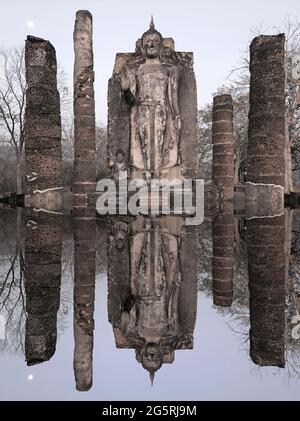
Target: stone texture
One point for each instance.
(42, 285)
(223, 252)
(84, 110)
(263, 200)
(223, 146)
(42, 117)
(266, 137)
(118, 252)
(121, 119)
(267, 273)
(140, 305)
(84, 299)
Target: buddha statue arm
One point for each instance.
(128, 85)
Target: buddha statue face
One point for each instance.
(152, 44)
(151, 357)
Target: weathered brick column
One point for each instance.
(84, 115)
(42, 285)
(42, 117)
(84, 297)
(267, 272)
(223, 146)
(223, 252)
(266, 137)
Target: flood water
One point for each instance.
(100, 309)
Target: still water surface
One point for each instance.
(96, 310)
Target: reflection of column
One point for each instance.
(42, 285)
(84, 297)
(223, 252)
(42, 117)
(266, 266)
(223, 153)
(266, 138)
(84, 113)
(83, 211)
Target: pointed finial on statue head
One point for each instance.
(152, 26)
(152, 30)
(152, 377)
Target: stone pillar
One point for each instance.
(42, 117)
(84, 115)
(223, 253)
(223, 146)
(84, 297)
(267, 272)
(42, 285)
(266, 136)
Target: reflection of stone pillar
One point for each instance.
(223, 252)
(266, 138)
(42, 117)
(84, 114)
(223, 140)
(266, 266)
(84, 183)
(84, 297)
(42, 285)
(187, 301)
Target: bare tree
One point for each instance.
(238, 87)
(12, 102)
(239, 79)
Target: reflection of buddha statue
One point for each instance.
(155, 280)
(152, 287)
(152, 91)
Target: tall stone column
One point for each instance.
(223, 146)
(42, 285)
(84, 115)
(42, 117)
(266, 136)
(84, 298)
(223, 253)
(267, 273)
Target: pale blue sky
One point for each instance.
(216, 31)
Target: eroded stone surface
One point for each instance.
(223, 146)
(153, 111)
(267, 276)
(42, 117)
(266, 137)
(84, 114)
